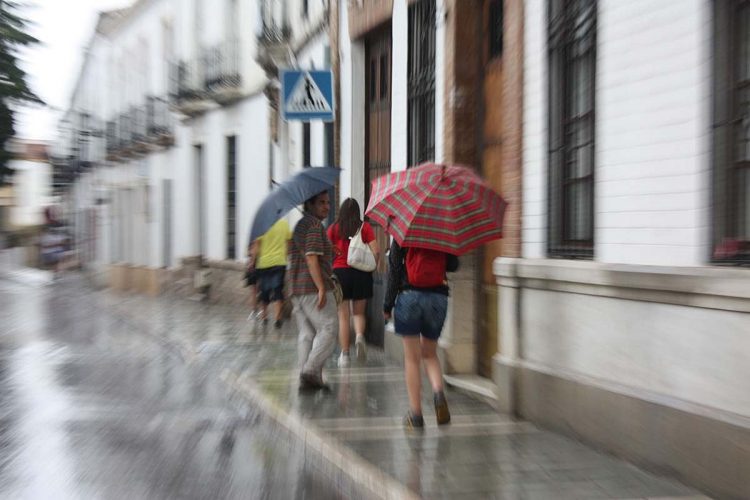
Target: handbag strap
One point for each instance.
(358, 231)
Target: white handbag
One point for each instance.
(360, 256)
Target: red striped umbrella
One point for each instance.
(447, 208)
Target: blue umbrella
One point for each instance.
(292, 193)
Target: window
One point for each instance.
(306, 144)
(572, 70)
(731, 228)
(305, 8)
(495, 28)
(167, 49)
(328, 132)
(231, 197)
(421, 82)
(199, 178)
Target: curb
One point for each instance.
(374, 481)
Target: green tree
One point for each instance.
(14, 88)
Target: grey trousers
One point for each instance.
(318, 331)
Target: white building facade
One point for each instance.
(170, 136)
(32, 184)
(626, 319)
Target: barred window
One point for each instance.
(306, 154)
(231, 197)
(495, 28)
(731, 147)
(421, 82)
(572, 71)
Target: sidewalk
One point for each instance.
(12, 268)
(357, 426)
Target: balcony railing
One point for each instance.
(112, 139)
(124, 132)
(188, 86)
(158, 118)
(87, 141)
(222, 63)
(274, 37)
(273, 15)
(140, 129)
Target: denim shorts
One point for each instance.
(271, 284)
(419, 312)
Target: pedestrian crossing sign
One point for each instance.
(307, 95)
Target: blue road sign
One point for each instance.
(307, 95)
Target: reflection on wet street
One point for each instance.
(91, 407)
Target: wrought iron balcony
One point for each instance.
(274, 37)
(187, 93)
(139, 132)
(87, 138)
(159, 121)
(223, 76)
(124, 132)
(112, 139)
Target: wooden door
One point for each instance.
(494, 87)
(377, 156)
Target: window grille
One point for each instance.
(572, 89)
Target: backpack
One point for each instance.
(425, 268)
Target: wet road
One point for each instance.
(90, 407)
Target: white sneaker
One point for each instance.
(344, 361)
(361, 347)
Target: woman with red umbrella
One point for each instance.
(434, 213)
(418, 289)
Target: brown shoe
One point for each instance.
(441, 409)
(412, 421)
(310, 381)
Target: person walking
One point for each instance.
(270, 263)
(417, 296)
(251, 280)
(311, 257)
(356, 285)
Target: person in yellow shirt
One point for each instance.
(270, 263)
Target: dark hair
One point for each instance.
(348, 219)
(311, 201)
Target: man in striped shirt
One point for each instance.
(315, 308)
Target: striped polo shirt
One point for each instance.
(309, 238)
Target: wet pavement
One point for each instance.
(357, 426)
(107, 396)
(95, 405)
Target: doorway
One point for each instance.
(377, 157)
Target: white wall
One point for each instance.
(184, 219)
(352, 102)
(253, 166)
(643, 348)
(248, 121)
(652, 132)
(399, 86)
(32, 188)
(303, 25)
(534, 212)
(440, 42)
